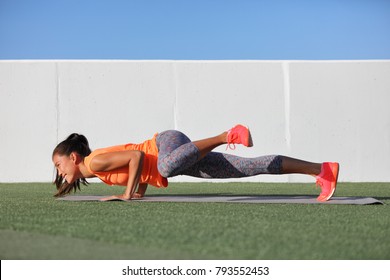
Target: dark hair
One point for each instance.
(74, 143)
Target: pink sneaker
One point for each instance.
(327, 180)
(239, 135)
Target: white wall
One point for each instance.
(314, 110)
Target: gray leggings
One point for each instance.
(177, 155)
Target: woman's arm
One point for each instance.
(114, 160)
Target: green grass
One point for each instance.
(33, 225)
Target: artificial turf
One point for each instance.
(34, 225)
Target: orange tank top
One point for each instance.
(120, 176)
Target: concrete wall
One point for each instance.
(314, 110)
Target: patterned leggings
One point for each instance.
(179, 156)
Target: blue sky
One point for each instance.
(195, 29)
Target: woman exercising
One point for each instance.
(171, 153)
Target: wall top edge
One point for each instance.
(182, 61)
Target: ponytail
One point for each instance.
(74, 143)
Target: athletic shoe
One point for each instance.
(239, 135)
(327, 180)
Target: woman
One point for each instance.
(172, 153)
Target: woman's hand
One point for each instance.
(114, 197)
(137, 196)
(122, 197)
(141, 190)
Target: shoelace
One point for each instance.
(230, 146)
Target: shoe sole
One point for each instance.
(250, 142)
(334, 189)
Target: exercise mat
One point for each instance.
(299, 199)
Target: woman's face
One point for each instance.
(66, 167)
